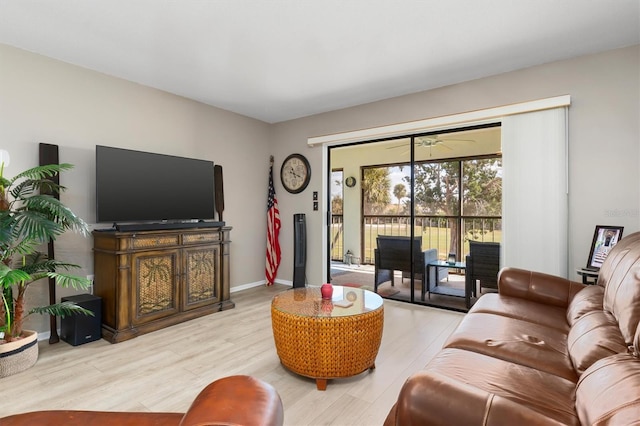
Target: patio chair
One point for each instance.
(483, 264)
(393, 254)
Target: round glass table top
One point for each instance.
(346, 301)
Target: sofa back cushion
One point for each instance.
(587, 300)
(592, 337)
(620, 276)
(607, 392)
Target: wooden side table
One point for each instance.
(589, 276)
(319, 339)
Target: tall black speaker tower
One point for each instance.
(49, 155)
(299, 249)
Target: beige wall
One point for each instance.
(43, 100)
(604, 135)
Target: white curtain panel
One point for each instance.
(535, 191)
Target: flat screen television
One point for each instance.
(136, 186)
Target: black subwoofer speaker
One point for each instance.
(299, 249)
(77, 329)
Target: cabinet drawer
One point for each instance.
(149, 241)
(200, 238)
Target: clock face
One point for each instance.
(295, 173)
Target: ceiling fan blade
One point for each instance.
(456, 140)
(427, 142)
(397, 146)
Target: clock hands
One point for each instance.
(294, 173)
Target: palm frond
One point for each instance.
(9, 277)
(30, 187)
(4, 182)
(22, 190)
(32, 228)
(67, 280)
(62, 310)
(54, 210)
(41, 218)
(47, 186)
(39, 262)
(33, 258)
(41, 172)
(5, 235)
(21, 247)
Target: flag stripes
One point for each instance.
(273, 232)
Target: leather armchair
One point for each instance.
(233, 400)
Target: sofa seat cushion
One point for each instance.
(495, 390)
(594, 336)
(608, 393)
(620, 275)
(587, 300)
(510, 339)
(522, 309)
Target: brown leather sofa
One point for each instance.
(543, 350)
(233, 400)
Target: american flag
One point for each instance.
(273, 230)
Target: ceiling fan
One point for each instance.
(431, 141)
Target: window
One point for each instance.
(449, 196)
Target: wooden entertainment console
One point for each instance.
(149, 280)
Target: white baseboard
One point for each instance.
(257, 284)
(44, 335)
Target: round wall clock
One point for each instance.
(350, 181)
(295, 173)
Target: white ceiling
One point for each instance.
(276, 60)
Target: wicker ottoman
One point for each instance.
(327, 339)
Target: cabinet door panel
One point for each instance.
(156, 292)
(201, 277)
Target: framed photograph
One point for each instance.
(604, 239)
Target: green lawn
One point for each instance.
(432, 237)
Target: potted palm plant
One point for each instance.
(29, 217)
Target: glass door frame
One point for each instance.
(412, 214)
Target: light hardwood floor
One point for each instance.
(164, 370)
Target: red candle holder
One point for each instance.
(326, 291)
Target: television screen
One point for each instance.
(143, 186)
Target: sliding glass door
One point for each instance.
(406, 208)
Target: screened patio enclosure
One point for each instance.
(440, 189)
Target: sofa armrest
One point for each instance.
(93, 418)
(236, 400)
(537, 287)
(428, 398)
(233, 400)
